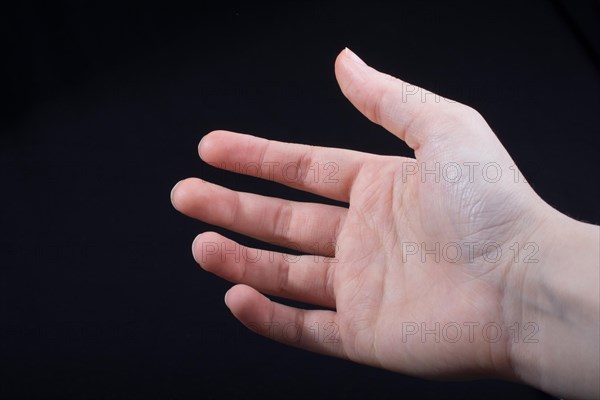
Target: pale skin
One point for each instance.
(374, 267)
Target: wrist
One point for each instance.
(556, 298)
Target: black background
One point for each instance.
(104, 105)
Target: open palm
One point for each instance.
(411, 275)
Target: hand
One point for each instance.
(421, 274)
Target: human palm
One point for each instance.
(411, 275)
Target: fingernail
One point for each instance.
(193, 247)
(200, 146)
(354, 57)
(226, 293)
(172, 192)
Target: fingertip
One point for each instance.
(247, 305)
(205, 248)
(205, 144)
(351, 56)
(180, 194)
(195, 244)
(172, 194)
(209, 145)
(350, 71)
(240, 294)
(348, 59)
(225, 299)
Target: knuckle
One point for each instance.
(283, 222)
(283, 277)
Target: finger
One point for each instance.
(411, 113)
(305, 278)
(327, 172)
(313, 330)
(306, 227)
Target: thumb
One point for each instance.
(409, 112)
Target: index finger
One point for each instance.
(328, 172)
